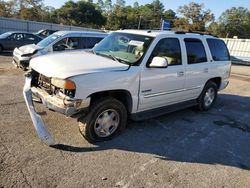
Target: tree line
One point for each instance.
(105, 14)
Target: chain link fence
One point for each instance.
(239, 50)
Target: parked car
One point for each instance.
(13, 39)
(45, 32)
(131, 73)
(60, 41)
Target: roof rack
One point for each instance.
(194, 32)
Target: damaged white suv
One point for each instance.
(131, 73)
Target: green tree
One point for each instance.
(233, 22)
(148, 16)
(151, 15)
(195, 17)
(7, 9)
(170, 15)
(136, 4)
(108, 5)
(120, 3)
(80, 13)
(100, 3)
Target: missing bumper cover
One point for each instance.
(40, 127)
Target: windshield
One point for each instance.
(128, 48)
(4, 35)
(48, 40)
(39, 31)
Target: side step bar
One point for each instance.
(162, 110)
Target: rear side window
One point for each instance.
(218, 50)
(89, 42)
(29, 37)
(195, 51)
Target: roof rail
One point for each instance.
(194, 32)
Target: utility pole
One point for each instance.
(139, 24)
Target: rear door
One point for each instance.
(198, 67)
(221, 64)
(163, 86)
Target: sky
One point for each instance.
(216, 6)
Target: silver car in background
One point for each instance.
(60, 41)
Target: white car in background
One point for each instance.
(57, 42)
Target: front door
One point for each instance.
(163, 86)
(14, 41)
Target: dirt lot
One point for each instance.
(182, 149)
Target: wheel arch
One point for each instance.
(122, 95)
(216, 80)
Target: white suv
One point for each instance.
(131, 73)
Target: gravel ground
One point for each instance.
(182, 149)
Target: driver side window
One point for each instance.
(69, 43)
(168, 48)
(60, 45)
(16, 36)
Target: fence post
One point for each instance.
(27, 26)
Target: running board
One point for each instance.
(162, 110)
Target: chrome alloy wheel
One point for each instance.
(107, 123)
(209, 97)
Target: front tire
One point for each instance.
(208, 96)
(106, 119)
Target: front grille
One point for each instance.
(44, 82)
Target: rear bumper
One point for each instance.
(224, 84)
(64, 105)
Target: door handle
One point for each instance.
(205, 70)
(181, 73)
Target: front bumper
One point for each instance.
(20, 61)
(65, 105)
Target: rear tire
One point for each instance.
(208, 96)
(106, 119)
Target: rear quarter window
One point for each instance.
(218, 50)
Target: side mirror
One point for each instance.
(158, 62)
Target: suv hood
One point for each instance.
(68, 64)
(30, 48)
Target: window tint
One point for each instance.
(17, 36)
(29, 37)
(218, 50)
(89, 42)
(168, 48)
(195, 51)
(67, 44)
